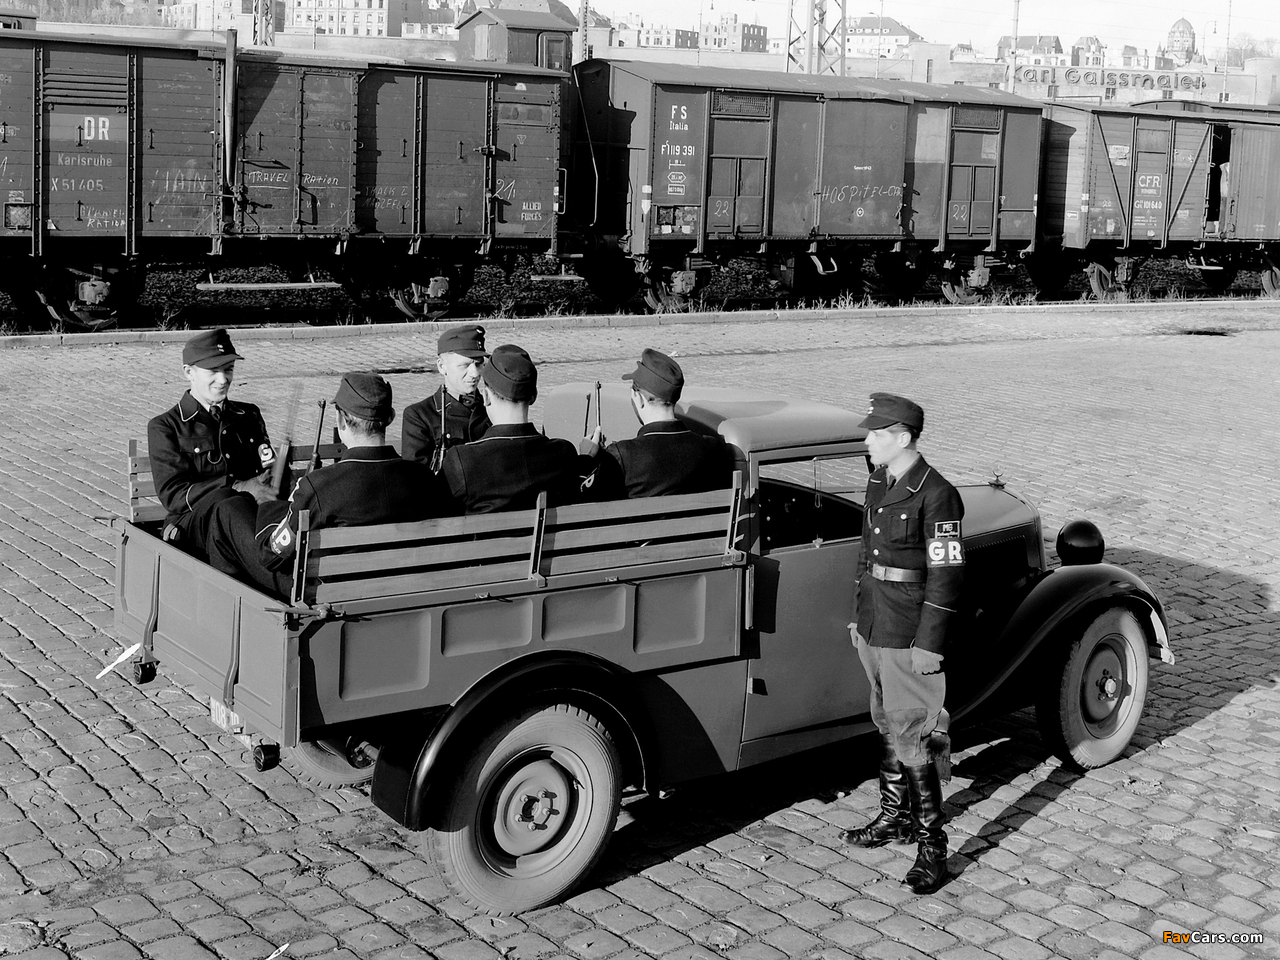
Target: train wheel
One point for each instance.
(433, 299)
(1219, 280)
(660, 297)
(1271, 280)
(956, 290)
(1102, 280)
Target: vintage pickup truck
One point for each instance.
(502, 679)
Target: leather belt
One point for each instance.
(896, 574)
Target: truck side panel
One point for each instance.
(413, 659)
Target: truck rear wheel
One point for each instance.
(325, 764)
(531, 810)
(1089, 710)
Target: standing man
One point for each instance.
(665, 457)
(512, 463)
(207, 449)
(370, 484)
(908, 592)
(453, 414)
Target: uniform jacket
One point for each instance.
(368, 485)
(916, 526)
(509, 466)
(195, 458)
(667, 457)
(420, 430)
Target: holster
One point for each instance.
(938, 746)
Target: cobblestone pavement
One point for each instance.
(130, 826)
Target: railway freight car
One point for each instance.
(115, 155)
(1122, 184)
(678, 168)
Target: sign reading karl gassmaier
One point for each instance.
(1101, 77)
(679, 132)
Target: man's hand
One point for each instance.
(924, 662)
(853, 633)
(260, 489)
(590, 446)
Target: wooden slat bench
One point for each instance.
(145, 507)
(343, 564)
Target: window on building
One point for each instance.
(1053, 91)
(1224, 97)
(1166, 94)
(1108, 93)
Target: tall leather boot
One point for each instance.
(930, 868)
(893, 822)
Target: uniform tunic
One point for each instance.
(509, 466)
(913, 526)
(196, 458)
(667, 458)
(368, 485)
(420, 430)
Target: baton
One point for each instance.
(597, 404)
(315, 445)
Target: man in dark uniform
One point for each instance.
(207, 449)
(453, 414)
(370, 484)
(512, 463)
(908, 593)
(665, 457)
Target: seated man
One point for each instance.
(207, 449)
(512, 463)
(370, 484)
(454, 413)
(665, 457)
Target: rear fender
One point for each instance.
(412, 768)
(1062, 595)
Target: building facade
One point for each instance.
(876, 37)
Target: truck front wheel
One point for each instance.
(530, 811)
(1089, 710)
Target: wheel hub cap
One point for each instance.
(1103, 684)
(530, 811)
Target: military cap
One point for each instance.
(465, 341)
(510, 373)
(365, 395)
(209, 349)
(658, 374)
(886, 409)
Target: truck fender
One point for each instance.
(1065, 593)
(402, 781)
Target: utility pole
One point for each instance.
(1013, 57)
(879, 37)
(580, 38)
(815, 44)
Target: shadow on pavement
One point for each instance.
(1219, 621)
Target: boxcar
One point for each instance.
(115, 155)
(679, 167)
(1122, 184)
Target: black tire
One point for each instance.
(1090, 708)
(956, 290)
(612, 278)
(531, 810)
(318, 766)
(1271, 280)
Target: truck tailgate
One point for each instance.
(228, 639)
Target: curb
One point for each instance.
(595, 321)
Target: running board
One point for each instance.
(305, 285)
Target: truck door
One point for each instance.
(1249, 183)
(975, 158)
(807, 672)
